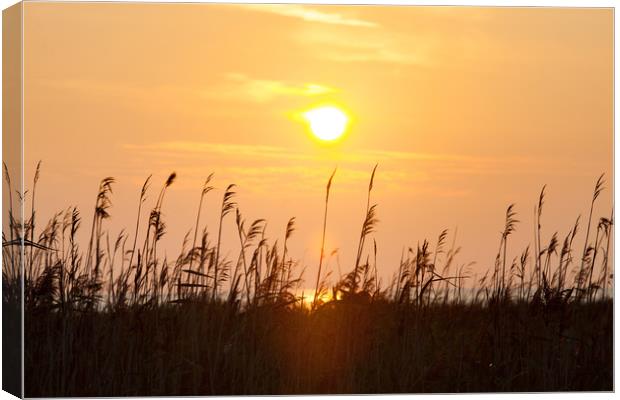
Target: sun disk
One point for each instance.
(327, 123)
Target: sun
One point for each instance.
(327, 123)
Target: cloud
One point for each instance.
(242, 87)
(375, 46)
(234, 151)
(296, 171)
(309, 14)
(399, 162)
(373, 55)
(183, 148)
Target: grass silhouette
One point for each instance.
(116, 319)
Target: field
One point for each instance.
(110, 317)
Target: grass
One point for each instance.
(116, 319)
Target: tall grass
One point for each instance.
(317, 287)
(117, 319)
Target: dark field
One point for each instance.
(344, 347)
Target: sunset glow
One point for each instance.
(455, 104)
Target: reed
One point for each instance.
(318, 275)
(598, 188)
(227, 206)
(126, 321)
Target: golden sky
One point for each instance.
(466, 110)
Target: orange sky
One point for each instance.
(466, 110)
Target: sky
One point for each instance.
(465, 110)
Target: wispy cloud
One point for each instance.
(375, 46)
(310, 14)
(262, 151)
(238, 86)
(260, 168)
(373, 55)
(183, 148)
